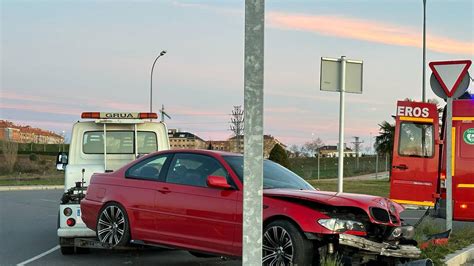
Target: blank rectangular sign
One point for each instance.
(331, 72)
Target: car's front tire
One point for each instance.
(113, 226)
(284, 244)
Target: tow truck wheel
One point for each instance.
(113, 226)
(67, 250)
(284, 244)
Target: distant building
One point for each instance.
(185, 140)
(332, 151)
(268, 143)
(218, 145)
(27, 134)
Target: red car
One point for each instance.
(192, 200)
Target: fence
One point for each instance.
(46, 149)
(309, 168)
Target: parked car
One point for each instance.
(192, 200)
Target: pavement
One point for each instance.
(28, 231)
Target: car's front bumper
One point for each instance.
(383, 249)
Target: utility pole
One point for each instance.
(237, 125)
(423, 98)
(163, 114)
(357, 143)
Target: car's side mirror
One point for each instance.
(218, 182)
(61, 161)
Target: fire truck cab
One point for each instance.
(103, 143)
(419, 157)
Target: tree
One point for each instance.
(279, 155)
(295, 150)
(10, 151)
(312, 147)
(384, 141)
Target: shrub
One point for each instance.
(279, 155)
(33, 157)
(10, 153)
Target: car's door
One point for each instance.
(191, 214)
(141, 184)
(414, 176)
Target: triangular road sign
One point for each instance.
(450, 73)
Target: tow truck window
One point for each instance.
(119, 142)
(416, 140)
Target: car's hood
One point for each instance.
(334, 199)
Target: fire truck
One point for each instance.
(419, 157)
(101, 143)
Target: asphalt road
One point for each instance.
(28, 234)
(28, 221)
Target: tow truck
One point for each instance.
(419, 157)
(102, 142)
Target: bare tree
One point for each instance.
(312, 147)
(10, 152)
(237, 125)
(295, 150)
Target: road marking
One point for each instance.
(38, 256)
(48, 200)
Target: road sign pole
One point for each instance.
(253, 137)
(340, 172)
(449, 170)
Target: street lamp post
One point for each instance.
(151, 79)
(423, 98)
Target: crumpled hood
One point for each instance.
(335, 199)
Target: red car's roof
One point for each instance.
(199, 151)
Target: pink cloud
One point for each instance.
(366, 30)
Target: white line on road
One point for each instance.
(48, 200)
(38, 256)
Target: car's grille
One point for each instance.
(380, 215)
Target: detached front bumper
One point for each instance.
(383, 249)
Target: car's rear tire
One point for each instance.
(113, 226)
(283, 243)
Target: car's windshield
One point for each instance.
(274, 175)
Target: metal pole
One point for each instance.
(319, 156)
(424, 51)
(386, 162)
(340, 172)
(449, 170)
(376, 166)
(151, 80)
(253, 129)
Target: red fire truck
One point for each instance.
(419, 157)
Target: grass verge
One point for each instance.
(32, 179)
(371, 187)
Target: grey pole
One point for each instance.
(376, 165)
(319, 157)
(340, 172)
(253, 129)
(449, 175)
(151, 80)
(424, 51)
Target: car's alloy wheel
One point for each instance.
(277, 247)
(112, 225)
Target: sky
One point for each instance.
(61, 58)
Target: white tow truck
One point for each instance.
(103, 143)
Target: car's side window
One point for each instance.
(193, 169)
(148, 169)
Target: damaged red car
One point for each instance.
(192, 200)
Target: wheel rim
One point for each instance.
(277, 247)
(111, 225)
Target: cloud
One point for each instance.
(366, 30)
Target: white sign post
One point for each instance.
(449, 76)
(341, 75)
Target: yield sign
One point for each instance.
(450, 73)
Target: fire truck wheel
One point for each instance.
(113, 226)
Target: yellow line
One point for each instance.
(453, 150)
(412, 202)
(416, 119)
(463, 118)
(466, 185)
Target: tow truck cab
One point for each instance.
(101, 144)
(419, 157)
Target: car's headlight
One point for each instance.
(341, 226)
